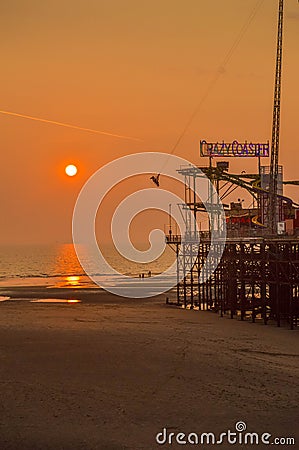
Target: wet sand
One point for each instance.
(110, 373)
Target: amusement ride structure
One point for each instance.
(258, 275)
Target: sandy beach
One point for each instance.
(111, 373)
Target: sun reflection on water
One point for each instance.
(73, 280)
(55, 300)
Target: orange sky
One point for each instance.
(132, 68)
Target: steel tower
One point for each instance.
(273, 202)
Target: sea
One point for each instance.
(58, 266)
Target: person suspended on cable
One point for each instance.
(156, 179)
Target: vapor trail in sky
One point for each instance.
(67, 125)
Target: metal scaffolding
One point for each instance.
(257, 278)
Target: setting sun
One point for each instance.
(71, 170)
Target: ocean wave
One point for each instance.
(73, 274)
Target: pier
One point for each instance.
(257, 278)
